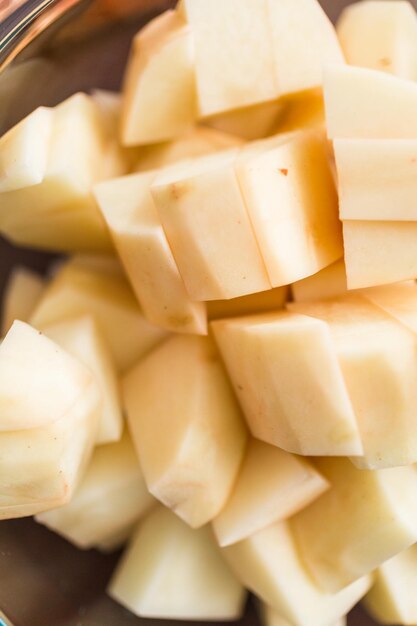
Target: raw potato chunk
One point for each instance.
(82, 339)
(271, 486)
(250, 123)
(328, 283)
(292, 203)
(399, 301)
(110, 498)
(76, 291)
(49, 407)
(381, 35)
(22, 293)
(367, 104)
(271, 300)
(392, 598)
(59, 212)
(277, 363)
(377, 178)
(186, 426)
(379, 253)
(193, 200)
(195, 143)
(269, 564)
(302, 111)
(129, 210)
(365, 518)
(171, 571)
(269, 617)
(159, 97)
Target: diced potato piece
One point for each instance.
(111, 497)
(186, 426)
(392, 598)
(381, 35)
(129, 210)
(196, 142)
(301, 111)
(271, 300)
(24, 151)
(399, 301)
(49, 406)
(292, 203)
(367, 104)
(193, 199)
(116, 541)
(159, 97)
(377, 178)
(81, 338)
(379, 253)
(21, 296)
(269, 564)
(277, 363)
(365, 518)
(171, 571)
(59, 212)
(252, 122)
(328, 283)
(76, 291)
(269, 617)
(271, 486)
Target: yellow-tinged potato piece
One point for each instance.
(301, 111)
(269, 564)
(129, 210)
(378, 358)
(392, 597)
(23, 291)
(277, 363)
(328, 283)
(76, 291)
(193, 199)
(49, 405)
(379, 253)
(250, 123)
(292, 203)
(365, 518)
(269, 617)
(111, 497)
(368, 104)
(196, 142)
(271, 486)
(82, 338)
(381, 35)
(171, 571)
(271, 300)
(186, 426)
(159, 97)
(399, 301)
(377, 178)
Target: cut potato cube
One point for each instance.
(367, 104)
(379, 253)
(269, 564)
(186, 426)
(159, 97)
(377, 179)
(111, 497)
(129, 210)
(23, 291)
(193, 198)
(380, 35)
(269, 617)
(365, 518)
(250, 123)
(277, 363)
(271, 300)
(328, 283)
(76, 291)
(392, 598)
(49, 409)
(302, 111)
(292, 203)
(81, 338)
(171, 571)
(271, 486)
(399, 301)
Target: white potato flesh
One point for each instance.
(110, 499)
(186, 426)
(271, 300)
(128, 207)
(268, 564)
(277, 363)
(249, 123)
(22, 293)
(365, 518)
(271, 486)
(328, 283)
(399, 301)
(269, 617)
(171, 571)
